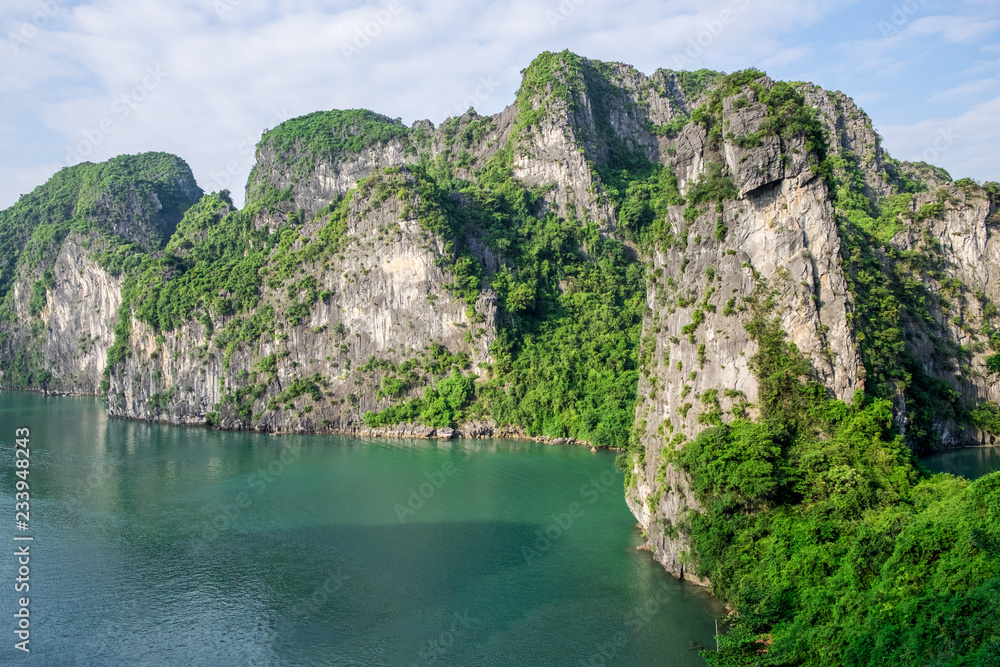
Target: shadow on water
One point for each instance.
(161, 545)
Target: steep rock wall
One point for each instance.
(784, 240)
(386, 300)
(963, 283)
(780, 240)
(76, 327)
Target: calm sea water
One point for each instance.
(972, 463)
(159, 545)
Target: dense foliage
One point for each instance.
(566, 365)
(891, 295)
(215, 266)
(140, 197)
(787, 115)
(333, 133)
(212, 266)
(91, 198)
(831, 545)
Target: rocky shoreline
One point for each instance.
(475, 430)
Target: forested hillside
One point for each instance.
(724, 277)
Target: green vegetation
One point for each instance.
(447, 397)
(39, 291)
(642, 205)
(993, 363)
(890, 293)
(93, 199)
(550, 76)
(566, 365)
(788, 115)
(132, 201)
(695, 84)
(444, 403)
(214, 274)
(713, 186)
(833, 548)
(330, 134)
(986, 417)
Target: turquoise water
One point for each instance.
(160, 545)
(971, 463)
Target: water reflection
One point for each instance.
(971, 463)
(181, 545)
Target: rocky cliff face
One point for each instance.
(953, 340)
(76, 326)
(58, 305)
(384, 299)
(883, 274)
(777, 238)
(784, 240)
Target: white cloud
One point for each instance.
(966, 145)
(966, 90)
(869, 96)
(981, 67)
(955, 29)
(229, 77)
(786, 57)
(22, 180)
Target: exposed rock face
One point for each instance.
(386, 294)
(388, 302)
(77, 322)
(60, 309)
(317, 179)
(967, 254)
(136, 213)
(781, 236)
(328, 179)
(764, 160)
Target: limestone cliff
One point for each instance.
(581, 265)
(778, 233)
(783, 235)
(76, 326)
(383, 297)
(58, 299)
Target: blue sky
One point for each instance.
(203, 78)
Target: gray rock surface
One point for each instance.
(388, 297)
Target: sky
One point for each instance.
(89, 80)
